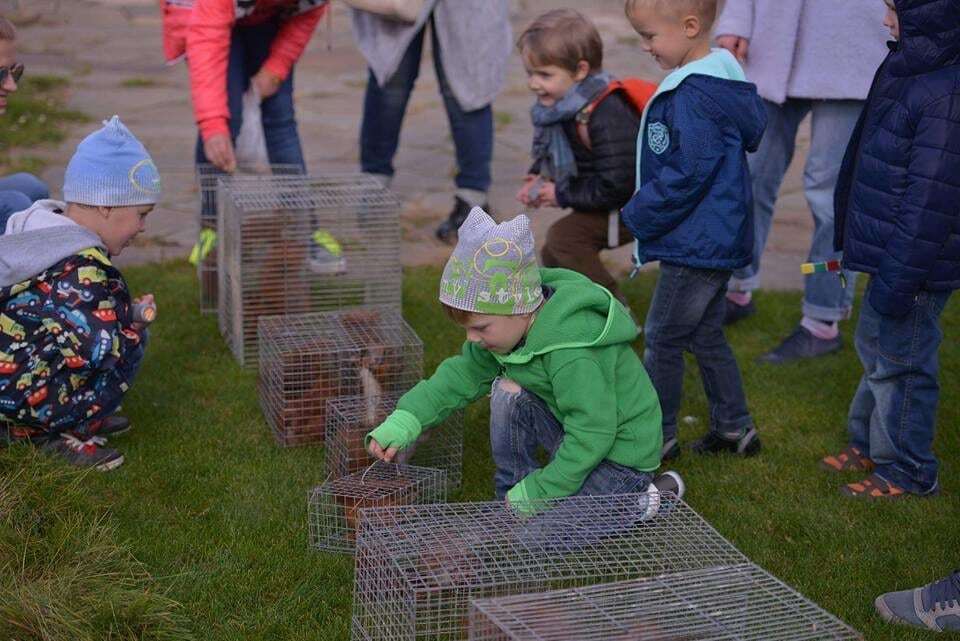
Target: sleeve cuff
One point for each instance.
(214, 127)
(400, 430)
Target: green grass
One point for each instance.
(35, 116)
(217, 513)
(139, 82)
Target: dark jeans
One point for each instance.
(249, 49)
(520, 423)
(18, 192)
(893, 413)
(575, 242)
(686, 314)
(384, 107)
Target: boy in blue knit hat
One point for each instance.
(69, 343)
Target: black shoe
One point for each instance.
(736, 312)
(85, 453)
(670, 451)
(447, 231)
(713, 443)
(801, 344)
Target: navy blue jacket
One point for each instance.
(694, 204)
(897, 201)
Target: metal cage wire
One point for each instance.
(418, 567)
(349, 419)
(307, 360)
(298, 244)
(335, 506)
(207, 176)
(736, 603)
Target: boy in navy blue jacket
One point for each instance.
(692, 211)
(898, 219)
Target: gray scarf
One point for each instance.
(550, 144)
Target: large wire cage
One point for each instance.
(737, 603)
(307, 360)
(292, 245)
(334, 507)
(205, 254)
(349, 419)
(418, 567)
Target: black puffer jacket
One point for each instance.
(897, 199)
(606, 173)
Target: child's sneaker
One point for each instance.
(84, 452)
(112, 425)
(935, 606)
(746, 445)
(849, 460)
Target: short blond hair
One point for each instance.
(7, 30)
(562, 37)
(706, 10)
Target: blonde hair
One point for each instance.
(706, 10)
(562, 37)
(7, 30)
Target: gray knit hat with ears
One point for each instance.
(493, 268)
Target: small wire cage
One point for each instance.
(207, 177)
(292, 245)
(334, 507)
(418, 567)
(737, 603)
(350, 419)
(308, 359)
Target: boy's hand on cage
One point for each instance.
(219, 151)
(376, 450)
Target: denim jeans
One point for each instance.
(893, 412)
(384, 107)
(18, 192)
(832, 125)
(686, 314)
(520, 423)
(249, 49)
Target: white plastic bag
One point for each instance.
(251, 147)
(398, 10)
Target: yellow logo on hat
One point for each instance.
(145, 172)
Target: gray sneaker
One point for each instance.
(935, 606)
(801, 344)
(81, 452)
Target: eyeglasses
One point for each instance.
(15, 71)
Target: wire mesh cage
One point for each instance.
(736, 603)
(335, 506)
(207, 178)
(308, 359)
(350, 419)
(418, 567)
(291, 245)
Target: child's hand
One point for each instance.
(548, 195)
(524, 194)
(219, 151)
(377, 451)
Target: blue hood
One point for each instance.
(929, 36)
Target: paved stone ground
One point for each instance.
(111, 50)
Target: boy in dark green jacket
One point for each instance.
(553, 350)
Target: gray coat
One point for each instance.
(475, 43)
(822, 49)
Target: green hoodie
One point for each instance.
(577, 358)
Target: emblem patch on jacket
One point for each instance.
(658, 137)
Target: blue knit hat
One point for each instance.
(111, 168)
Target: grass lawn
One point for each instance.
(216, 513)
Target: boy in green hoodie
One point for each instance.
(553, 350)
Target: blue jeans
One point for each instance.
(832, 125)
(249, 49)
(384, 107)
(18, 192)
(520, 424)
(686, 314)
(893, 412)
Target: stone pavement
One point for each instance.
(111, 51)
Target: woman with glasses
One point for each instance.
(17, 191)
